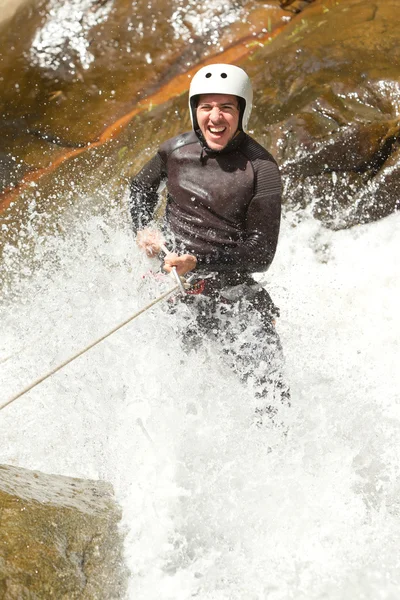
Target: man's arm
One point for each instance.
(143, 202)
(144, 192)
(256, 250)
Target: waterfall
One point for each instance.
(214, 507)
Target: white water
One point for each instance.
(209, 510)
(67, 26)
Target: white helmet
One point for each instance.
(222, 79)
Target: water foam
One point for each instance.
(213, 507)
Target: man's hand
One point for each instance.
(150, 240)
(183, 263)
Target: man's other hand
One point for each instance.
(183, 263)
(150, 240)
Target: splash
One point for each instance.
(65, 33)
(214, 507)
(190, 22)
(390, 89)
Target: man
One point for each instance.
(222, 222)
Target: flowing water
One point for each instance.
(214, 507)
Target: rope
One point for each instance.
(103, 337)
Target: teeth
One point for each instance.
(217, 129)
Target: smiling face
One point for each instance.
(218, 118)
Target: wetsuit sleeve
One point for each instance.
(144, 191)
(256, 250)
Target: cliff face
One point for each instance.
(88, 107)
(81, 65)
(8, 8)
(59, 538)
(328, 104)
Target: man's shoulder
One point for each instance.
(253, 150)
(265, 167)
(183, 139)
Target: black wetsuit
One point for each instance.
(224, 207)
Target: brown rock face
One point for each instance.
(58, 538)
(328, 104)
(81, 65)
(74, 77)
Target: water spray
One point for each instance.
(179, 286)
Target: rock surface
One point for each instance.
(81, 65)
(59, 538)
(60, 135)
(328, 104)
(8, 8)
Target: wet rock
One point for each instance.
(8, 8)
(381, 195)
(81, 65)
(59, 538)
(295, 5)
(328, 104)
(11, 171)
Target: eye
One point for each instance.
(208, 75)
(224, 75)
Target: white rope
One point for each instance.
(103, 337)
(174, 271)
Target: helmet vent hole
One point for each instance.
(224, 75)
(208, 75)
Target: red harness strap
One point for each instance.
(197, 288)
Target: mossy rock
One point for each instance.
(59, 538)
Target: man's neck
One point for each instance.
(230, 146)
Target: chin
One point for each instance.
(216, 145)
